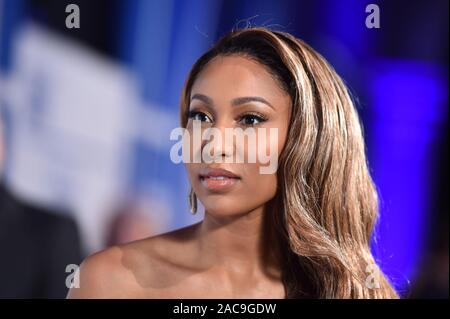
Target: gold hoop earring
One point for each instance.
(192, 201)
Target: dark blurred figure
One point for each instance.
(36, 245)
(433, 279)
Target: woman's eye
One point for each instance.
(199, 116)
(251, 119)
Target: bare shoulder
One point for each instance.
(98, 275)
(144, 268)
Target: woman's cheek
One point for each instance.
(260, 188)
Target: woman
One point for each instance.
(300, 232)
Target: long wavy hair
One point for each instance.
(326, 206)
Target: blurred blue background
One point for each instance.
(87, 112)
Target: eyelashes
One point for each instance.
(245, 119)
(248, 119)
(199, 116)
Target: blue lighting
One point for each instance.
(409, 106)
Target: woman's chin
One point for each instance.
(220, 211)
(226, 210)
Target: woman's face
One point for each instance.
(233, 92)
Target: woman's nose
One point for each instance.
(221, 141)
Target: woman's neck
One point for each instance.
(240, 246)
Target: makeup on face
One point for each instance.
(217, 179)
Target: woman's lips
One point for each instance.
(217, 178)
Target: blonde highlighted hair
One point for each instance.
(326, 204)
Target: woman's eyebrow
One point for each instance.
(247, 99)
(235, 102)
(203, 98)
